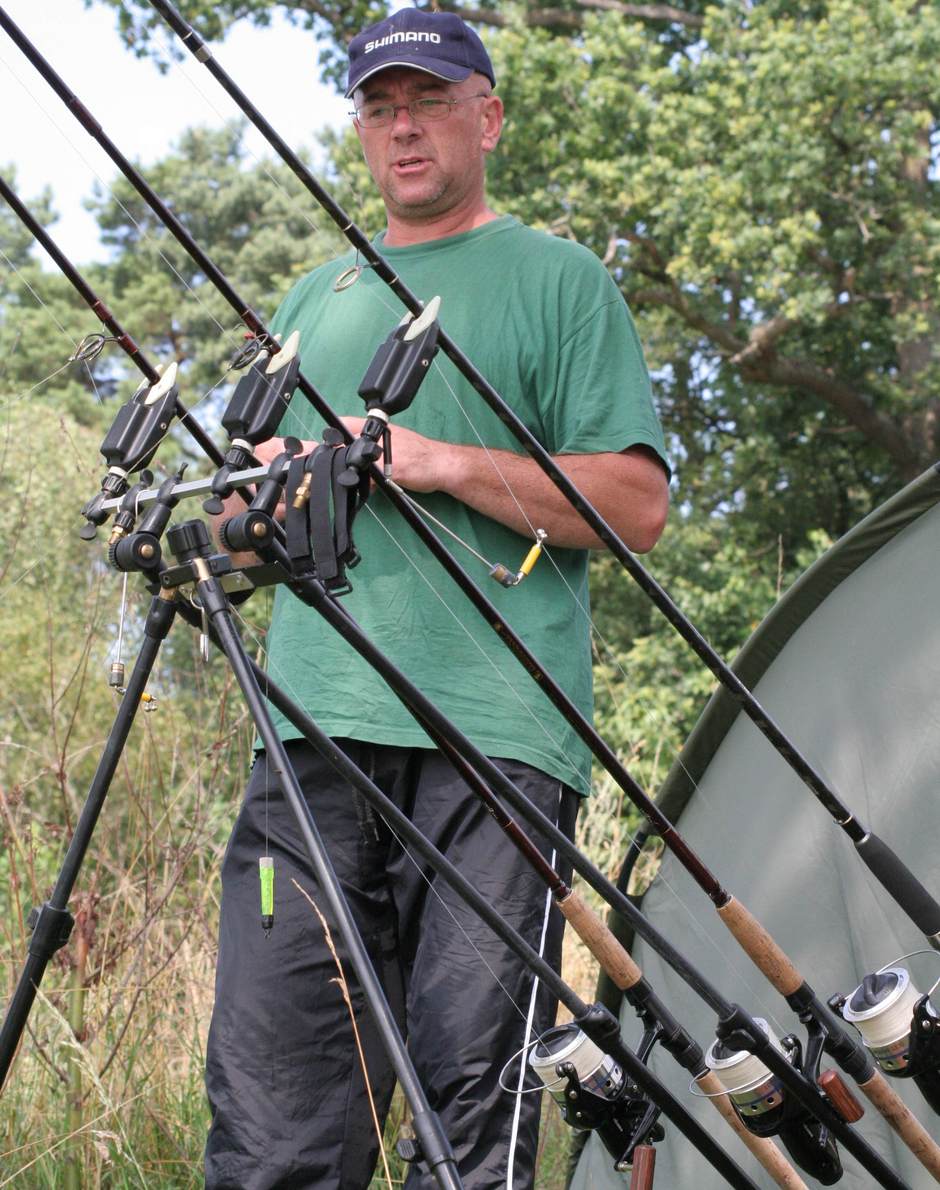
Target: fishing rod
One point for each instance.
(391, 382)
(139, 550)
(735, 1025)
(884, 864)
(145, 421)
(597, 1023)
(95, 130)
(316, 594)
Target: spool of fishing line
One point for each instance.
(754, 1089)
(882, 1009)
(597, 1072)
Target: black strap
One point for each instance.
(319, 534)
(296, 522)
(321, 514)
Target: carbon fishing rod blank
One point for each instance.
(899, 1026)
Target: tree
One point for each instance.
(759, 178)
(251, 220)
(131, 980)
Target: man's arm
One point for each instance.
(630, 489)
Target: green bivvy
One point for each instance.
(848, 664)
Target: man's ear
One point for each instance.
(492, 122)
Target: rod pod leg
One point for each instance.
(52, 922)
(434, 1145)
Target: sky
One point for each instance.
(143, 111)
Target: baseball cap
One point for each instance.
(436, 42)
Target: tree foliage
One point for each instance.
(761, 180)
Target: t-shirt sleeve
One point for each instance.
(600, 398)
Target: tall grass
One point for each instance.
(116, 1094)
(107, 1087)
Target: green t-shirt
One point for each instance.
(545, 324)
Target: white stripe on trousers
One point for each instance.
(514, 1134)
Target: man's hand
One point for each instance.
(629, 489)
(418, 463)
(268, 451)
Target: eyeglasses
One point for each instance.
(425, 111)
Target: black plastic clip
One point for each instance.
(50, 928)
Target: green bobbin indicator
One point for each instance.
(266, 875)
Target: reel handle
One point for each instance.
(644, 1164)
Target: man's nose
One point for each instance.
(402, 119)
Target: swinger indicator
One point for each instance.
(506, 578)
(266, 877)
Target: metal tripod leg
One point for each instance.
(52, 923)
(435, 1147)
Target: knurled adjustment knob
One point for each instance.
(189, 540)
(249, 530)
(140, 551)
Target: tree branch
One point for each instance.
(571, 19)
(853, 405)
(758, 361)
(648, 12)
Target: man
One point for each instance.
(543, 321)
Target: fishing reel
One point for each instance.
(899, 1026)
(594, 1093)
(255, 411)
(766, 1108)
(130, 444)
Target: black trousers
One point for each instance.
(285, 1084)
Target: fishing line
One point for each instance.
(253, 635)
(732, 961)
(379, 294)
(145, 235)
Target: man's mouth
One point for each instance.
(409, 164)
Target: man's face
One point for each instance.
(427, 170)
